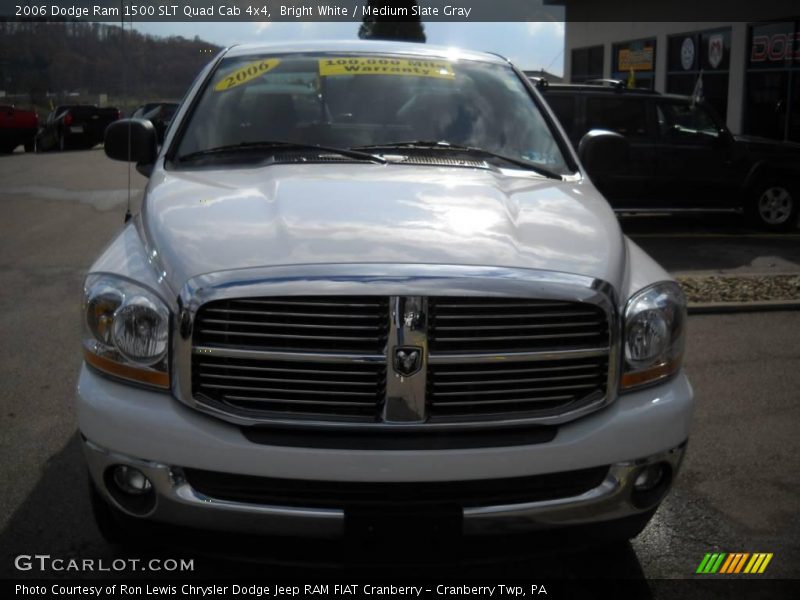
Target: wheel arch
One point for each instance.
(764, 171)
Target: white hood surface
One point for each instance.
(209, 220)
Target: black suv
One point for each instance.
(682, 157)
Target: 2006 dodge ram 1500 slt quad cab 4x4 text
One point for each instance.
(372, 276)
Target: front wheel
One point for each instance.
(774, 206)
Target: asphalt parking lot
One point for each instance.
(738, 490)
(714, 243)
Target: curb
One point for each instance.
(722, 273)
(711, 308)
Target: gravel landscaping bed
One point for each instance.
(745, 288)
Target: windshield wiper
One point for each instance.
(444, 145)
(267, 146)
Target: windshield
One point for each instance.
(351, 101)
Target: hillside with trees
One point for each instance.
(42, 61)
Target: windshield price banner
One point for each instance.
(385, 66)
(246, 73)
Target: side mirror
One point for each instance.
(132, 140)
(604, 152)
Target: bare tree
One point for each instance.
(409, 29)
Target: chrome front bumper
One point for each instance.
(178, 503)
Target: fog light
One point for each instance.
(131, 489)
(131, 480)
(651, 485)
(649, 478)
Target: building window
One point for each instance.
(708, 52)
(587, 63)
(635, 62)
(772, 91)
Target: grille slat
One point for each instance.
(282, 380)
(292, 301)
(480, 403)
(498, 303)
(514, 381)
(530, 315)
(507, 338)
(529, 390)
(267, 313)
(287, 336)
(524, 371)
(293, 325)
(292, 401)
(516, 326)
(306, 391)
(284, 371)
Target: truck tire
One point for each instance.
(30, 145)
(774, 204)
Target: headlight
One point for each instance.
(126, 331)
(655, 319)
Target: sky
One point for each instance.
(530, 45)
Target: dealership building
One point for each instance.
(750, 70)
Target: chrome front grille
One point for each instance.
(307, 386)
(462, 328)
(294, 389)
(524, 389)
(513, 324)
(329, 324)
(334, 359)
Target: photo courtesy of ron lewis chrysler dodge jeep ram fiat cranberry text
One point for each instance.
(375, 277)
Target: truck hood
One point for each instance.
(758, 143)
(204, 221)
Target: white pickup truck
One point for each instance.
(375, 279)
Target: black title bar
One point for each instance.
(110, 11)
(463, 589)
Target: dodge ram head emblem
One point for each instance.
(407, 360)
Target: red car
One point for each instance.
(17, 127)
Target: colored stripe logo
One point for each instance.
(734, 563)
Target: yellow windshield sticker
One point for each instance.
(351, 65)
(246, 73)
